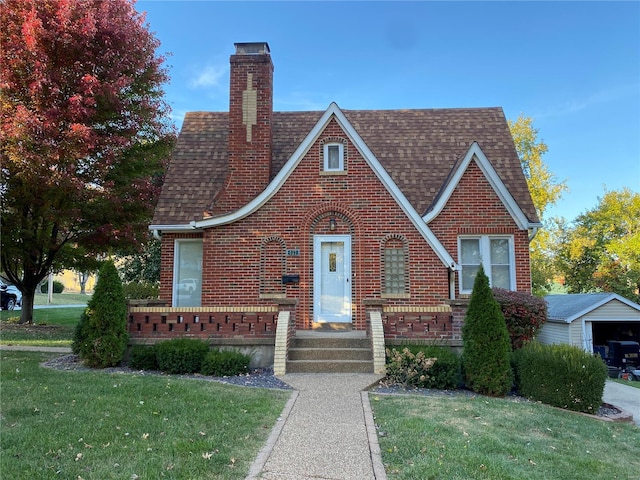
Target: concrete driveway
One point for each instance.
(624, 397)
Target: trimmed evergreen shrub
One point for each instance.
(225, 363)
(100, 338)
(140, 290)
(181, 355)
(560, 375)
(523, 313)
(143, 357)
(444, 374)
(58, 287)
(486, 363)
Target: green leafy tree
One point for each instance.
(545, 191)
(143, 265)
(486, 364)
(601, 251)
(84, 133)
(100, 338)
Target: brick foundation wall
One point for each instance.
(163, 323)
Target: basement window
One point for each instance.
(333, 157)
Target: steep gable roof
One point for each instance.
(419, 149)
(476, 153)
(334, 112)
(567, 308)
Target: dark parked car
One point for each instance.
(10, 297)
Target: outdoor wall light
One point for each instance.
(332, 223)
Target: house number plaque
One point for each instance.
(293, 252)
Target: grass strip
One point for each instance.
(53, 327)
(463, 437)
(633, 383)
(99, 425)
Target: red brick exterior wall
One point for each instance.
(249, 161)
(239, 268)
(475, 209)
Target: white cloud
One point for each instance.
(577, 105)
(209, 76)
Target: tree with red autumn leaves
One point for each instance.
(84, 133)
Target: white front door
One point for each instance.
(332, 278)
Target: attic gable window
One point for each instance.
(333, 157)
(495, 253)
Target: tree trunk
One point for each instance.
(83, 277)
(26, 314)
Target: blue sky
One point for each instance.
(572, 66)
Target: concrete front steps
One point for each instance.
(330, 352)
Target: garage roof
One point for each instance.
(567, 308)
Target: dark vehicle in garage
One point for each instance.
(623, 359)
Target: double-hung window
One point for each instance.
(494, 253)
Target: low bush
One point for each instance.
(181, 355)
(444, 374)
(523, 313)
(142, 357)
(225, 363)
(58, 287)
(408, 369)
(140, 290)
(560, 375)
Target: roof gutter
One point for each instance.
(533, 230)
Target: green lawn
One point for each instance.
(98, 425)
(463, 437)
(53, 327)
(61, 299)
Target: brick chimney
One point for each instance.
(250, 115)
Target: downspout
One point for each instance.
(533, 233)
(157, 234)
(452, 281)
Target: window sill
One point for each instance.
(267, 296)
(395, 295)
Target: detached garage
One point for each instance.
(590, 320)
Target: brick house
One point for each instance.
(277, 224)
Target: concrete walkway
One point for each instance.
(27, 348)
(326, 432)
(624, 397)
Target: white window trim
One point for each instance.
(176, 259)
(340, 157)
(485, 257)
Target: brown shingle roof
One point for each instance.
(418, 148)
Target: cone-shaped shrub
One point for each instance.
(100, 339)
(486, 361)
